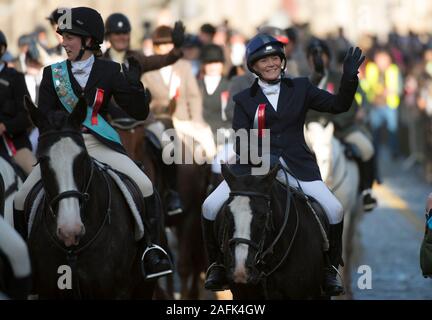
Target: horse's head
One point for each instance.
(319, 139)
(248, 218)
(61, 154)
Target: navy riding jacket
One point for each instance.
(104, 75)
(286, 124)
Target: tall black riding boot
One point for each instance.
(367, 179)
(155, 261)
(216, 279)
(332, 282)
(20, 223)
(172, 197)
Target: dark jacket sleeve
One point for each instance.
(21, 121)
(241, 120)
(131, 98)
(47, 96)
(323, 101)
(158, 61)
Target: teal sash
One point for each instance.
(68, 98)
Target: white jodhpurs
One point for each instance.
(15, 249)
(362, 142)
(316, 189)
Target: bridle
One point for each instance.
(260, 262)
(82, 196)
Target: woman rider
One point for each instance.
(84, 74)
(280, 104)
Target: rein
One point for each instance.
(261, 256)
(72, 254)
(83, 197)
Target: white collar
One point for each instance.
(269, 88)
(83, 65)
(211, 83)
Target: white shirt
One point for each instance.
(323, 81)
(81, 70)
(117, 56)
(211, 83)
(271, 91)
(166, 74)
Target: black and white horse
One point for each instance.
(85, 223)
(341, 174)
(271, 242)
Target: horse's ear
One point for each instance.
(329, 129)
(38, 118)
(270, 177)
(79, 114)
(227, 174)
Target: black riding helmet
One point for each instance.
(117, 23)
(212, 53)
(85, 22)
(277, 33)
(263, 45)
(3, 43)
(55, 15)
(316, 45)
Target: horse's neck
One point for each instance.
(338, 159)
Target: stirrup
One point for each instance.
(340, 278)
(157, 274)
(175, 211)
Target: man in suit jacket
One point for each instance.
(117, 32)
(280, 104)
(175, 88)
(14, 120)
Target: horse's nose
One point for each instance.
(240, 274)
(71, 236)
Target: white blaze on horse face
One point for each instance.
(62, 155)
(242, 212)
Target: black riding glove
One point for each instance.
(133, 72)
(178, 34)
(352, 63)
(148, 97)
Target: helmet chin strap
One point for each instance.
(82, 50)
(275, 81)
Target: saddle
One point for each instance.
(126, 123)
(245, 169)
(316, 206)
(35, 201)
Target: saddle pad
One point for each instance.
(129, 190)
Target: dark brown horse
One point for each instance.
(87, 231)
(272, 243)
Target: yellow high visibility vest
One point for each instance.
(372, 87)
